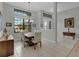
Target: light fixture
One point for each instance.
(29, 20)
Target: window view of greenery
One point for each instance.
(19, 22)
(19, 25)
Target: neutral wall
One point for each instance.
(0, 6)
(47, 34)
(60, 22)
(8, 16)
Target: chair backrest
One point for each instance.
(37, 36)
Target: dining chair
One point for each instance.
(23, 39)
(37, 39)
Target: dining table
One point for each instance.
(29, 37)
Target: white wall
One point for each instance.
(0, 6)
(60, 22)
(47, 34)
(8, 16)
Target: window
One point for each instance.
(19, 22)
(19, 25)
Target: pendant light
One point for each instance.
(29, 20)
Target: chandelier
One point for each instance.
(29, 20)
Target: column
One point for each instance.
(55, 17)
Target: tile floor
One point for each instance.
(48, 49)
(75, 50)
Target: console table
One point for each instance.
(69, 34)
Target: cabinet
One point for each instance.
(6, 48)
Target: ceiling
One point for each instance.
(48, 6)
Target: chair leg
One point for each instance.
(34, 47)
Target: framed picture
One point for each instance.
(69, 22)
(8, 24)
